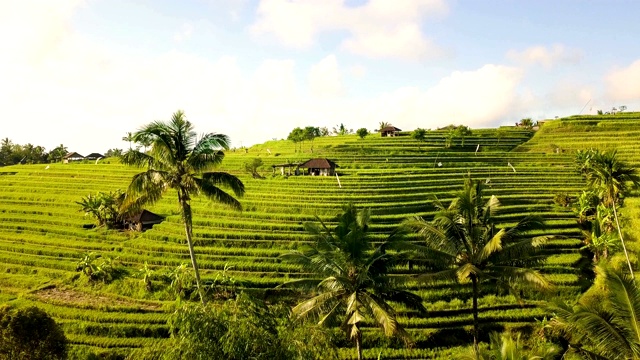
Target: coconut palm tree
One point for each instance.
(179, 160)
(350, 278)
(464, 245)
(505, 347)
(129, 138)
(604, 324)
(610, 177)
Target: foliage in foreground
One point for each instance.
(605, 323)
(351, 278)
(30, 333)
(242, 329)
(506, 347)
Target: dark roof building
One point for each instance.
(320, 166)
(389, 131)
(72, 156)
(143, 220)
(94, 156)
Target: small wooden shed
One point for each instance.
(389, 131)
(94, 156)
(72, 156)
(143, 220)
(287, 166)
(320, 166)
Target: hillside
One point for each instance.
(42, 236)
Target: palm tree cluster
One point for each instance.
(609, 180)
(461, 244)
(605, 322)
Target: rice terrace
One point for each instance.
(374, 215)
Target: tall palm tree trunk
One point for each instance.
(474, 280)
(359, 345)
(626, 254)
(188, 226)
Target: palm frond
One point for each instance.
(207, 152)
(450, 275)
(146, 188)
(382, 313)
(625, 303)
(225, 179)
(316, 303)
(137, 158)
(214, 193)
(492, 246)
(517, 275)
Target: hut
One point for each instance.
(320, 166)
(143, 220)
(287, 166)
(94, 156)
(72, 156)
(389, 131)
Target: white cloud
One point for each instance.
(378, 29)
(546, 56)
(474, 98)
(184, 33)
(623, 84)
(325, 79)
(358, 71)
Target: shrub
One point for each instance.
(562, 199)
(30, 333)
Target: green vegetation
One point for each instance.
(180, 161)
(30, 333)
(43, 236)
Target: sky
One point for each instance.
(83, 73)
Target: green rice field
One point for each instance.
(43, 234)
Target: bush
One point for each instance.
(30, 333)
(562, 199)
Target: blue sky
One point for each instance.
(84, 73)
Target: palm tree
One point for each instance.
(605, 325)
(610, 177)
(383, 124)
(351, 277)
(505, 347)
(129, 138)
(463, 244)
(179, 160)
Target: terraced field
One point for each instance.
(42, 235)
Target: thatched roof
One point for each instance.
(93, 156)
(319, 163)
(145, 217)
(73, 155)
(390, 129)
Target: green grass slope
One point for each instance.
(42, 235)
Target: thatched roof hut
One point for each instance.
(143, 220)
(389, 131)
(320, 166)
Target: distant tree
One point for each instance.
(362, 132)
(419, 134)
(30, 334)
(6, 150)
(350, 278)
(310, 133)
(341, 130)
(324, 131)
(296, 135)
(383, 124)
(526, 123)
(449, 136)
(113, 153)
(623, 108)
(180, 161)
(462, 132)
(128, 138)
(58, 153)
(252, 166)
